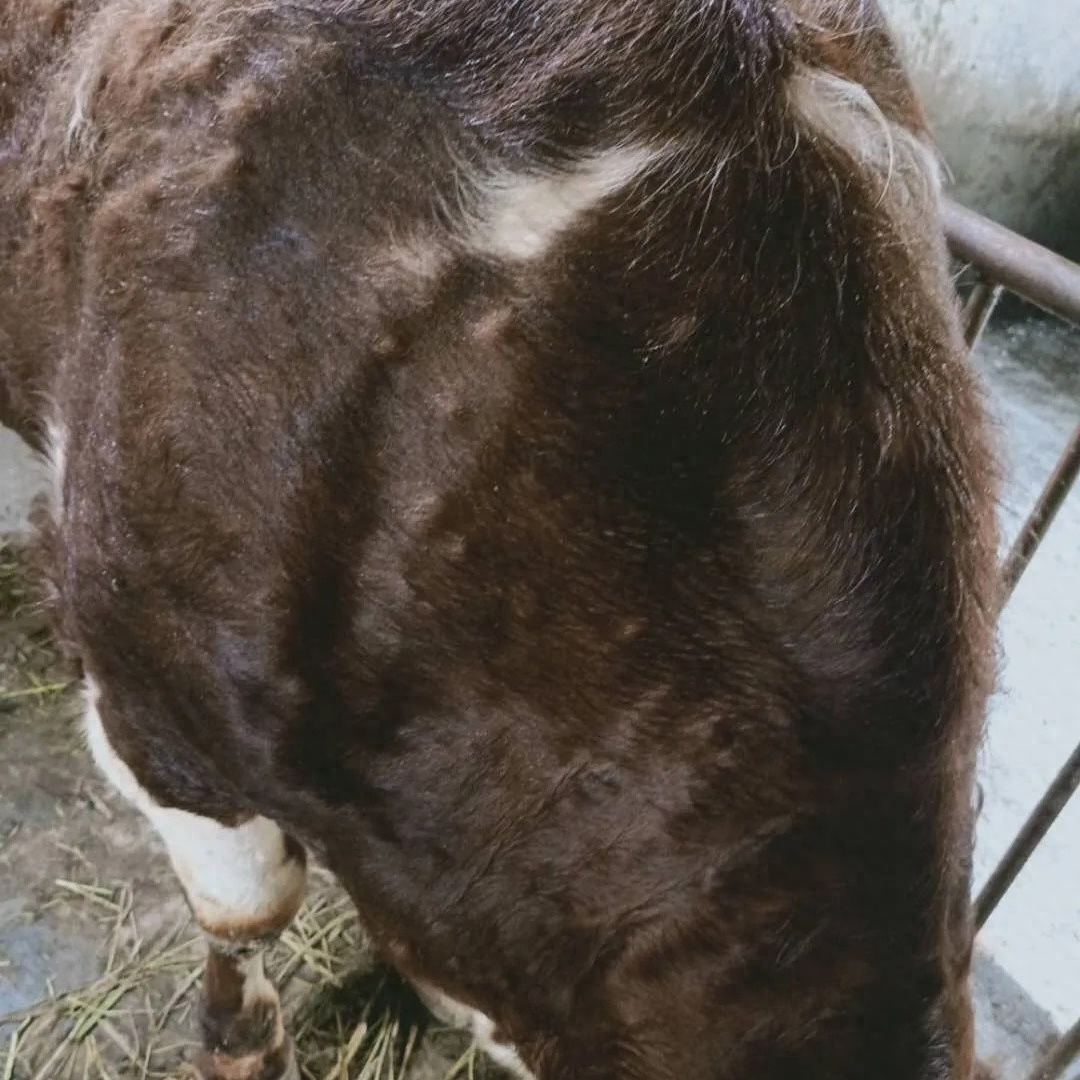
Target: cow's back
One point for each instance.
(526, 450)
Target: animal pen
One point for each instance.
(1002, 260)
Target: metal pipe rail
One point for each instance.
(1005, 260)
(1008, 259)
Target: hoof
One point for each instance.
(276, 1064)
(243, 1036)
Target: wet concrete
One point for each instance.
(1033, 371)
(1001, 86)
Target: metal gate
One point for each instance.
(1002, 260)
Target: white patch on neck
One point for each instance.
(844, 113)
(521, 215)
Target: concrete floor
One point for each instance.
(1028, 968)
(1034, 373)
(22, 476)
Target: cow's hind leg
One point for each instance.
(244, 882)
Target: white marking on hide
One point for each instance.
(420, 258)
(79, 121)
(257, 987)
(521, 215)
(845, 113)
(481, 1027)
(56, 447)
(234, 877)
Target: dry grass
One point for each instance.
(16, 591)
(30, 668)
(351, 1018)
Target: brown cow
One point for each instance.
(523, 451)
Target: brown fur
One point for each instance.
(616, 623)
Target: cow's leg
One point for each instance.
(244, 881)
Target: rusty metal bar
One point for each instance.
(1023, 846)
(979, 307)
(1058, 1058)
(1005, 260)
(1038, 523)
(1023, 267)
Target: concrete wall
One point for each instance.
(1001, 82)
